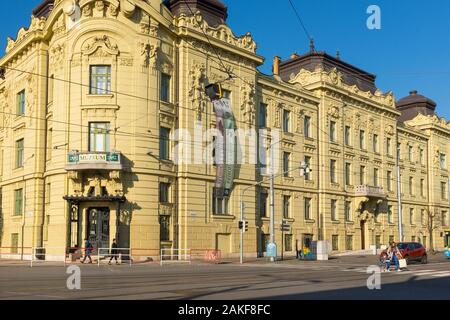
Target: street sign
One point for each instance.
(271, 250)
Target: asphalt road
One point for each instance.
(340, 278)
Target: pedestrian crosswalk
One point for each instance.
(417, 273)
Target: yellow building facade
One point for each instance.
(100, 100)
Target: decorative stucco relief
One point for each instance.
(197, 78)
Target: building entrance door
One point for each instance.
(98, 227)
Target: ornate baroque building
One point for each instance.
(92, 97)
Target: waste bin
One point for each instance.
(40, 254)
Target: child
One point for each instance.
(384, 260)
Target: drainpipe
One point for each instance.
(41, 227)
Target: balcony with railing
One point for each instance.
(369, 191)
(77, 161)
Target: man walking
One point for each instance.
(114, 252)
(87, 250)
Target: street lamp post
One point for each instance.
(303, 167)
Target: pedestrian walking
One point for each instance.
(114, 252)
(88, 248)
(394, 255)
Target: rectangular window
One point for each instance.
(100, 79)
(286, 207)
(286, 120)
(335, 242)
(411, 216)
(442, 161)
(332, 131)
(333, 171)
(164, 195)
(265, 239)
(399, 151)
(164, 228)
(375, 143)
(391, 239)
(308, 209)
(164, 143)
(347, 131)
(422, 217)
(422, 187)
(99, 136)
(390, 215)
(362, 175)
(410, 153)
(286, 159)
(19, 153)
(46, 225)
(48, 189)
(348, 211)
(421, 156)
(308, 164)
(220, 203)
(375, 177)
(413, 238)
(349, 243)
(18, 202)
(388, 147)
(49, 144)
(411, 186)
(389, 180)
(362, 140)
(51, 83)
(348, 168)
(263, 196)
(21, 103)
(334, 216)
(14, 243)
(164, 94)
(262, 115)
(306, 126)
(378, 241)
(288, 242)
(444, 218)
(443, 190)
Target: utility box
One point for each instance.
(320, 250)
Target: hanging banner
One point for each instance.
(225, 146)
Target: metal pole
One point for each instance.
(399, 196)
(241, 255)
(272, 200)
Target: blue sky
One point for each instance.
(411, 51)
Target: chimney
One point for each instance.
(276, 66)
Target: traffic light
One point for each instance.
(243, 225)
(214, 91)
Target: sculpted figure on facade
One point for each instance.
(149, 52)
(30, 96)
(276, 109)
(248, 104)
(6, 109)
(197, 91)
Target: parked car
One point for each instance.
(413, 251)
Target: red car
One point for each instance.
(413, 251)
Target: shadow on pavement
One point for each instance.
(412, 289)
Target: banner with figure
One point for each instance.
(225, 146)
